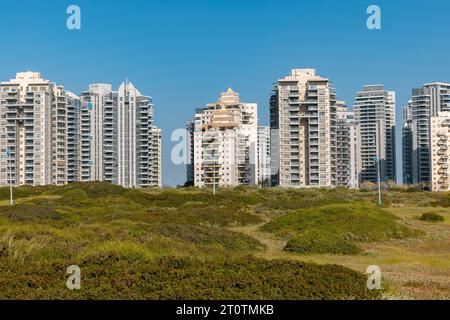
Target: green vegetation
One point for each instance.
(243, 243)
(337, 228)
(432, 217)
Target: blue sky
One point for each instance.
(184, 53)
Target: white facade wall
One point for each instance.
(263, 154)
(33, 129)
(225, 143)
(303, 131)
(440, 151)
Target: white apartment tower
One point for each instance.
(407, 144)
(73, 137)
(117, 137)
(374, 109)
(431, 100)
(134, 137)
(440, 154)
(190, 127)
(52, 136)
(33, 130)
(264, 156)
(348, 160)
(303, 131)
(225, 143)
(98, 106)
(155, 158)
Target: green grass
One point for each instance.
(337, 228)
(190, 244)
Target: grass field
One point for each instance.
(243, 243)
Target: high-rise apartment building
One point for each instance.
(428, 101)
(440, 151)
(347, 147)
(134, 137)
(117, 137)
(225, 143)
(33, 130)
(52, 136)
(190, 126)
(98, 126)
(264, 155)
(73, 137)
(155, 156)
(374, 109)
(303, 131)
(407, 144)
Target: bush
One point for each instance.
(368, 186)
(336, 228)
(75, 197)
(431, 217)
(317, 242)
(123, 275)
(229, 240)
(30, 212)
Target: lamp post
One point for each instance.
(213, 154)
(379, 180)
(8, 156)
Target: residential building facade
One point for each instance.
(407, 144)
(264, 155)
(118, 136)
(33, 129)
(73, 137)
(348, 144)
(374, 109)
(52, 136)
(190, 126)
(440, 151)
(428, 101)
(98, 123)
(303, 131)
(225, 143)
(155, 158)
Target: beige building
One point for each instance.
(225, 143)
(303, 131)
(33, 129)
(440, 151)
(348, 147)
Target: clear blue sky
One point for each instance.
(184, 53)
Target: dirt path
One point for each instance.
(274, 247)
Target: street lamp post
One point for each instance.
(379, 180)
(214, 171)
(8, 155)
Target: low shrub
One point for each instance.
(316, 241)
(336, 228)
(431, 217)
(74, 197)
(109, 275)
(204, 235)
(29, 212)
